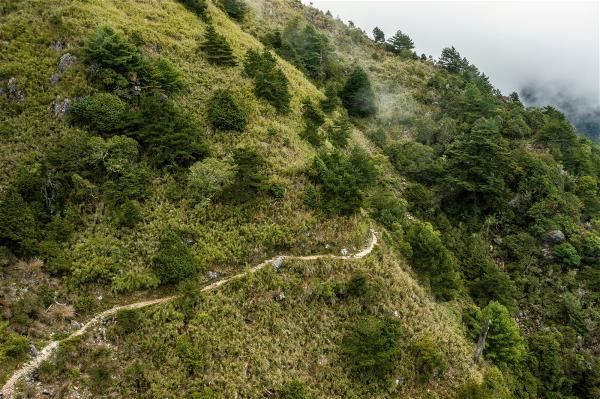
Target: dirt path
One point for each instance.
(8, 388)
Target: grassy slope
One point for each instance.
(227, 237)
(248, 343)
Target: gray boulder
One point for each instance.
(554, 237)
(277, 262)
(15, 93)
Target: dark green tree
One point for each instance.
(478, 164)
(217, 49)
(167, 135)
(236, 9)
(432, 259)
(224, 112)
(250, 177)
(117, 58)
(378, 35)
(331, 100)
(504, 344)
(400, 42)
(372, 347)
(357, 95)
(343, 179)
(339, 132)
(452, 61)
(313, 119)
(198, 7)
(17, 223)
(270, 82)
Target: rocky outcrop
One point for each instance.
(60, 107)
(64, 63)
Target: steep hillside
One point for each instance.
(152, 147)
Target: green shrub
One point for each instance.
(11, 344)
(100, 378)
(294, 390)
(102, 113)
(277, 190)
(331, 101)
(386, 208)
(56, 260)
(207, 393)
(414, 160)
(127, 321)
(224, 113)
(372, 347)
(572, 312)
(132, 184)
(313, 119)
(493, 386)
(357, 95)
(129, 214)
(429, 361)
(208, 178)
(174, 261)
(359, 285)
(567, 254)
(216, 48)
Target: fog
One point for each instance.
(549, 49)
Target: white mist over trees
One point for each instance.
(548, 51)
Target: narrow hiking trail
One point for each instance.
(44, 354)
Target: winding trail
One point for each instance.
(44, 354)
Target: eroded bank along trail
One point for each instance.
(8, 388)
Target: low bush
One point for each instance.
(208, 178)
(102, 113)
(224, 112)
(127, 321)
(293, 390)
(372, 347)
(429, 361)
(174, 261)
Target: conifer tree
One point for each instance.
(270, 82)
(216, 48)
(236, 9)
(378, 35)
(357, 95)
(400, 42)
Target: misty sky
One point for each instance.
(552, 44)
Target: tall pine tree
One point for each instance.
(400, 42)
(216, 48)
(378, 35)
